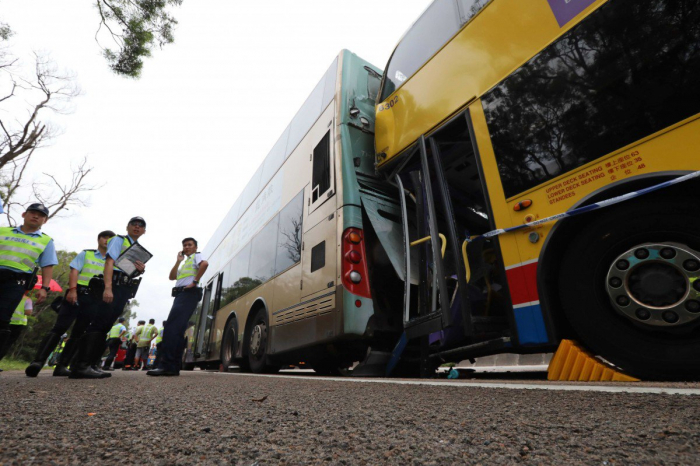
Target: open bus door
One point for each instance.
(458, 305)
(212, 294)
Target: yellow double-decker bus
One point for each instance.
(495, 114)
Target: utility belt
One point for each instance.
(180, 289)
(122, 280)
(27, 280)
(82, 290)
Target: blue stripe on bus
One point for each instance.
(530, 324)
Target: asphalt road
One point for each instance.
(212, 418)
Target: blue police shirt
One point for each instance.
(46, 258)
(114, 247)
(79, 261)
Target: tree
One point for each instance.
(129, 311)
(48, 90)
(135, 26)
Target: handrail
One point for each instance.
(466, 260)
(443, 240)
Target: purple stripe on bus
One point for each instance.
(565, 10)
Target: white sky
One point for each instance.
(178, 145)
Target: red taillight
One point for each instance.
(355, 276)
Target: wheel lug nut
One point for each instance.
(692, 306)
(615, 282)
(691, 265)
(642, 314)
(622, 264)
(622, 300)
(668, 253)
(670, 317)
(641, 253)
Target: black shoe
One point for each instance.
(86, 373)
(45, 347)
(107, 369)
(99, 370)
(163, 372)
(61, 371)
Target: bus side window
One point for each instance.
(321, 175)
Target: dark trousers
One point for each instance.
(11, 294)
(82, 314)
(15, 332)
(114, 344)
(173, 344)
(159, 354)
(130, 353)
(108, 313)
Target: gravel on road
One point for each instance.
(212, 418)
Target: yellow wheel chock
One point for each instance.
(571, 362)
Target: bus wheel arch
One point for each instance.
(229, 342)
(591, 244)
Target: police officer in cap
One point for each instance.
(118, 289)
(78, 306)
(22, 249)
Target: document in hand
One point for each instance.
(126, 260)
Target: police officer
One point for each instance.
(114, 342)
(148, 333)
(21, 249)
(118, 289)
(159, 345)
(187, 294)
(79, 305)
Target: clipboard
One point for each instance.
(125, 261)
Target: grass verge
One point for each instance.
(13, 364)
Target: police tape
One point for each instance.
(590, 207)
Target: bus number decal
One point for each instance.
(390, 104)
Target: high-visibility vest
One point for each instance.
(19, 317)
(126, 336)
(116, 330)
(125, 245)
(187, 268)
(19, 251)
(189, 333)
(145, 332)
(137, 332)
(159, 338)
(92, 267)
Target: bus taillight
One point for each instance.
(355, 275)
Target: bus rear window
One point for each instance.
(628, 70)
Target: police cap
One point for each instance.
(138, 220)
(37, 206)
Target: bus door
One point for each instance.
(460, 297)
(212, 295)
(319, 240)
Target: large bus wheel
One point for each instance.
(257, 344)
(627, 285)
(228, 344)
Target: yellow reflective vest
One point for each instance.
(19, 251)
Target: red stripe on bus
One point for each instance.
(522, 281)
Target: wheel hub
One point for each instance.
(257, 338)
(656, 284)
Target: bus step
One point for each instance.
(374, 365)
(424, 325)
(573, 363)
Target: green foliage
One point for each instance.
(8, 364)
(5, 31)
(136, 26)
(129, 312)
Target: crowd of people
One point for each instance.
(98, 291)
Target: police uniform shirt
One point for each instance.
(114, 248)
(47, 257)
(187, 280)
(79, 261)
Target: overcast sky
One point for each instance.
(178, 145)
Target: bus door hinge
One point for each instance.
(301, 284)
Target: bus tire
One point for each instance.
(645, 351)
(257, 341)
(228, 344)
